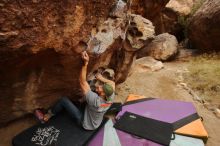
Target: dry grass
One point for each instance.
(204, 76)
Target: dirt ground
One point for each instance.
(162, 84)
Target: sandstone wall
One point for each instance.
(40, 45)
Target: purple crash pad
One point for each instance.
(168, 111)
(98, 138)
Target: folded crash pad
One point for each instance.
(60, 130)
(147, 128)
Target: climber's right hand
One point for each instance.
(85, 57)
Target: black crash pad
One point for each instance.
(60, 130)
(147, 128)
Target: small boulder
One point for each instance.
(163, 47)
(217, 112)
(149, 63)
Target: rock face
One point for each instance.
(204, 30)
(40, 42)
(171, 24)
(39, 46)
(163, 47)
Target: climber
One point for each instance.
(97, 103)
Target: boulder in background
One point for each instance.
(163, 47)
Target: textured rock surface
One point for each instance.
(163, 47)
(119, 9)
(204, 30)
(182, 7)
(175, 16)
(139, 32)
(39, 46)
(40, 42)
(164, 19)
(171, 24)
(152, 10)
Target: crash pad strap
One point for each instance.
(154, 130)
(194, 129)
(184, 121)
(138, 100)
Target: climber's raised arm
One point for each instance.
(82, 79)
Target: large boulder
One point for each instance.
(176, 14)
(174, 17)
(146, 64)
(40, 42)
(40, 46)
(163, 47)
(204, 30)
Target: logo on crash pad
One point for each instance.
(45, 136)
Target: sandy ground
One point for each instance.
(162, 84)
